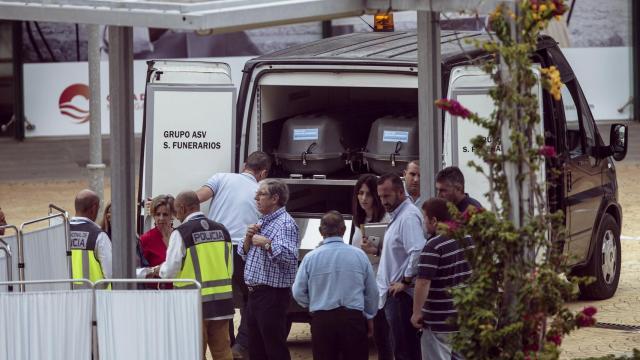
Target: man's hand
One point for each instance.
(259, 240)
(248, 237)
(416, 320)
(368, 247)
(370, 328)
(397, 287)
(252, 230)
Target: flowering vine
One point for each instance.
(514, 304)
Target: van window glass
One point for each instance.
(572, 117)
(587, 120)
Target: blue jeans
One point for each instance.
(404, 337)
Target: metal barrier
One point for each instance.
(39, 324)
(99, 286)
(116, 343)
(64, 215)
(4, 246)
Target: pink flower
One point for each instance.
(453, 107)
(452, 225)
(589, 311)
(555, 338)
(547, 151)
(583, 320)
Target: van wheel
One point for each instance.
(605, 262)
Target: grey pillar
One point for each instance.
(635, 64)
(95, 166)
(429, 90)
(122, 151)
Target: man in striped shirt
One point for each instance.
(442, 266)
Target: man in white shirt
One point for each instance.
(90, 245)
(233, 205)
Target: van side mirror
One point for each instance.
(618, 141)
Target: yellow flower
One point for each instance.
(543, 7)
(553, 81)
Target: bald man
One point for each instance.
(200, 249)
(336, 282)
(90, 245)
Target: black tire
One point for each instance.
(604, 265)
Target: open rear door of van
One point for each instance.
(189, 128)
(470, 86)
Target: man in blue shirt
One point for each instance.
(337, 284)
(270, 250)
(403, 241)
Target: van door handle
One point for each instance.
(569, 180)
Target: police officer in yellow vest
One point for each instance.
(200, 249)
(90, 245)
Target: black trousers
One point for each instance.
(241, 295)
(267, 323)
(339, 334)
(382, 336)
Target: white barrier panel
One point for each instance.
(45, 257)
(146, 324)
(53, 325)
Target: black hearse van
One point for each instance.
(333, 109)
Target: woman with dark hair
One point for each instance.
(153, 243)
(106, 220)
(367, 208)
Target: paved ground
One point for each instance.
(38, 172)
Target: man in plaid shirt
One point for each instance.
(270, 250)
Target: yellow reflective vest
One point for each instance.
(208, 260)
(84, 263)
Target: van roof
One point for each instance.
(377, 48)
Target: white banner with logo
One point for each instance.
(605, 77)
(56, 95)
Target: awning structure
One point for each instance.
(219, 15)
(223, 16)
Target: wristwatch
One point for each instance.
(267, 246)
(406, 282)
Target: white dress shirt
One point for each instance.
(103, 246)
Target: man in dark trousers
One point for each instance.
(200, 249)
(270, 249)
(336, 282)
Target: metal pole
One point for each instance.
(18, 80)
(95, 165)
(122, 150)
(635, 64)
(429, 90)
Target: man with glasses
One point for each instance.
(270, 249)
